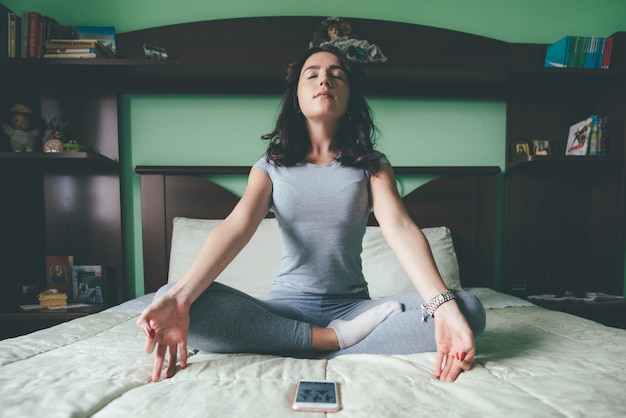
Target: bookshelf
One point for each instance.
(58, 204)
(248, 56)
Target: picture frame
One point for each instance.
(541, 147)
(59, 273)
(88, 284)
(520, 150)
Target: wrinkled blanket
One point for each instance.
(530, 362)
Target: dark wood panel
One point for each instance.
(564, 230)
(154, 235)
(22, 242)
(261, 42)
(83, 213)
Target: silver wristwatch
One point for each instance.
(428, 309)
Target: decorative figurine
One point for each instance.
(335, 31)
(21, 131)
(329, 29)
(57, 136)
(73, 146)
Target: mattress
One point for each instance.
(530, 362)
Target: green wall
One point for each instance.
(535, 21)
(223, 130)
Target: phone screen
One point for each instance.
(316, 395)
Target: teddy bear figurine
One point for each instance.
(20, 131)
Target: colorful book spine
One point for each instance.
(24, 36)
(594, 145)
(579, 52)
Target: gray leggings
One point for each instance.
(225, 320)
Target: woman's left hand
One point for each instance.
(455, 342)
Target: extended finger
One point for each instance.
(171, 362)
(453, 373)
(439, 363)
(158, 362)
(447, 368)
(183, 354)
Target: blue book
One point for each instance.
(557, 54)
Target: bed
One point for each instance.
(530, 361)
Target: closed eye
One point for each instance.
(310, 74)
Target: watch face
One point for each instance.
(53, 145)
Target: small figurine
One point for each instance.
(153, 52)
(72, 146)
(56, 138)
(329, 29)
(335, 31)
(21, 132)
(58, 125)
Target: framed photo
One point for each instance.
(541, 147)
(59, 273)
(520, 150)
(88, 284)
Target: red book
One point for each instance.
(34, 31)
(606, 56)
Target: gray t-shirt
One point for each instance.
(322, 212)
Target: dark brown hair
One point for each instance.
(289, 142)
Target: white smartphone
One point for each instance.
(316, 396)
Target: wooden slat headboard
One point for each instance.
(462, 198)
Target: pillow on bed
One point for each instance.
(256, 265)
(386, 276)
(252, 271)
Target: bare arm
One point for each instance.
(452, 332)
(227, 239)
(404, 237)
(166, 320)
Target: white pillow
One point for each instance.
(255, 267)
(252, 271)
(384, 274)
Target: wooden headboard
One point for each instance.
(461, 198)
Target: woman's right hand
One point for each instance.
(166, 325)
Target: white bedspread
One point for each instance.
(531, 363)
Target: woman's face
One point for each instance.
(323, 89)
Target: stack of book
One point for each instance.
(26, 35)
(580, 52)
(81, 42)
(76, 48)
